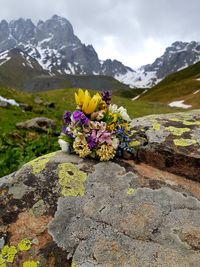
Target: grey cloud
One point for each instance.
(128, 24)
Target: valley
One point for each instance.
(43, 64)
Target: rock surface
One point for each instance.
(60, 210)
(170, 142)
(38, 124)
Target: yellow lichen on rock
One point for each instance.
(176, 119)
(177, 131)
(71, 180)
(40, 163)
(73, 264)
(8, 254)
(130, 191)
(134, 143)
(2, 261)
(30, 264)
(24, 244)
(191, 123)
(185, 122)
(184, 142)
(156, 126)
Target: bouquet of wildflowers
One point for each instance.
(96, 128)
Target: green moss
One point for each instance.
(40, 163)
(184, 142)
(130, 191)
(24, 244)
(30, 264)
(71, 180)
(8, 253)
(177, 131)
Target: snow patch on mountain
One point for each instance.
(179, 104)
(138, 78)
(9, 101)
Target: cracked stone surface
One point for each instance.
(117, 214)
(170, 142)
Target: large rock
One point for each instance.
(170, 142)
(60, 210)
(40, 124)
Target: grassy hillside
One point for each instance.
(182, 85)
(20, 146)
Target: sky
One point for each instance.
(135, 32)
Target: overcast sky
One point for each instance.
(132, 31)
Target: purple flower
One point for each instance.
(106, 96)
(67, 117)
(80, 117)
(101, 136)
(67, 132)
(91, 142)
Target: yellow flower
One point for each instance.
(87, 103)
(126, 126)
(103, 105)
(79, 97)
(106, 152)
(111, 127)
(80, 147)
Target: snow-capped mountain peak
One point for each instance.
(53, 44)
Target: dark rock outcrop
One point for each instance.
(170, 142)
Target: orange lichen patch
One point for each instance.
(43, 239)
(112, 254)
(28, 226)
(143, 215)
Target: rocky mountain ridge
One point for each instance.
(53, 44)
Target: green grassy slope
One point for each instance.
(181, 85)
(19, 146)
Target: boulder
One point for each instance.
(50, 104)
(4, 104)
(25, 107)
(169, 142)
(38, 100)
(40, 124)
(61, 210)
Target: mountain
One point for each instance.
(21, 71)
(176, 57)
(56, 48)
(179, 89)
(59, 52)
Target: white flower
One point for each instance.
(113, 108)
(64, 145)
(122, 111)
(115, 143)
(124, 114)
